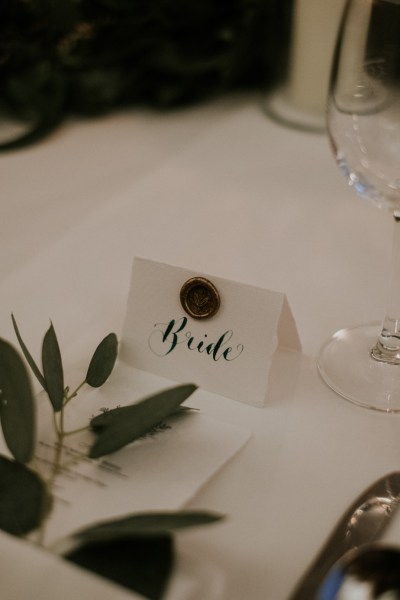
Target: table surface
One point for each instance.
(221, 189)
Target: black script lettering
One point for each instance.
(167, 336)
(191, 340)
(218, 351)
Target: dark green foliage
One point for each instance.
(17, 411)
(121, 426)
(103, 361)
(151, 524)
(23, 498)
(89, 56)
(53, 369)
(28, 357)
(140, 564)
(136, 551)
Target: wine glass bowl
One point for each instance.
(362, 364)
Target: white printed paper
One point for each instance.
(161, 471)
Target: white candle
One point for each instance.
(315, 28)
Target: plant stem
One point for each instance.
(59, 449)
(57, 466)
(69, 397)
(74, 431)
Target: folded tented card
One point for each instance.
(215, 332)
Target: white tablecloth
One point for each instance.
(220, 189)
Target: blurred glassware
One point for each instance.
(362, 363)
(300, 98)
(367, 573)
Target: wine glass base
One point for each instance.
(347, 367)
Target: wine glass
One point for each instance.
(362, 363)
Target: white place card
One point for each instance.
(229, 353)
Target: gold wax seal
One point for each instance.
(200, 298)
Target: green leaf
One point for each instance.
(137, 550)
(17, 411)
(106, 418)
(143, 565)
(53, 369)
(146, 524)
(35, 369)
(103, 361)
(121, 426)
(23, 498)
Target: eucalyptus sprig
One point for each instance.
(26, 497)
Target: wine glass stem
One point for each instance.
(387, 348)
